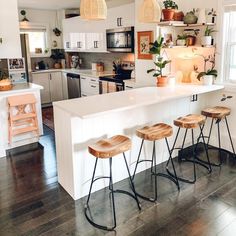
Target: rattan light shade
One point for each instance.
(93, 9)
(149, 12)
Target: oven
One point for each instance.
(120, 39)
(110, 85)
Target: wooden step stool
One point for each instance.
(22, 115)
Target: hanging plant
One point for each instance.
(57, 32)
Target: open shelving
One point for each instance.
(181, 24)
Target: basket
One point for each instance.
(5, 87)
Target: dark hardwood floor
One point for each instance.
(33, 203)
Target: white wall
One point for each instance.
(46, 17)
(9, 30)
(184, 5)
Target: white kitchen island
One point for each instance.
(83, 121)
(24, 139)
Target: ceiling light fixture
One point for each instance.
(23, 13)
(149, 12)
(93, 9)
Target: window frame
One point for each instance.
(29, 25)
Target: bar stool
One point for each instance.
(106, 149)
(22, 115)
(191, 122)
(153, 134)
(218, 114)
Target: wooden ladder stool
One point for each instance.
(22, 115)
(191, 122)
(218, 114)
(107, 149)
(153, 134)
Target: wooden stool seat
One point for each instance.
(107, 148)
(217, 112)
(155, 132)
(190, 121)
(22, 115)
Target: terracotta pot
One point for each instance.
(191, 40)
(162, 81)
(168, 14)
(57, 65)
(178, 16)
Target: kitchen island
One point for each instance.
(24, 139)
(83, 121)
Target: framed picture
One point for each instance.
(16, 64)
(144, 40)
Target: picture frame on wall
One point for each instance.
(144, 40)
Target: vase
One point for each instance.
(162, 81)
(168, 14)
(190, 18)
(181, 42)
(206, 40)
(208, 79)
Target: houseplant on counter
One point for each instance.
(181, 40)
(206, 40)
(169, 10)
(209, 75)
(57, 55)
(159, 62)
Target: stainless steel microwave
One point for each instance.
(120, 39)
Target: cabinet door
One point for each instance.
(89, 86)
(95, 42)
(56, 86)
(43, 80)
(78, 41)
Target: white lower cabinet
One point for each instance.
(52, 84)
(89, 86)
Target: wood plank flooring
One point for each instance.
(33, 203)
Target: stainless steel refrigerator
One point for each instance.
(26, 55)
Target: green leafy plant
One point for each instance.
(209, 31)
(160, 62)
(169, 4)
(182, 37)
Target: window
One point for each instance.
(229, 44)
(37, 39)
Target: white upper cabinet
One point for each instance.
(122, 16)
(83, 35)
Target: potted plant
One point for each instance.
(190, 17)
(206, 40)
(57, 55)
(209, 75)
(169, 10)
(181, 40)
(159, 62)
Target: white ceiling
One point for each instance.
(62, 4)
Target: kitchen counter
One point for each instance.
(81, 122)
(23, 139)
(84, 108)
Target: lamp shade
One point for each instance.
(149, 12)
(93, 9)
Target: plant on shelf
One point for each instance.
(206, 40)
(169, 10)
(159, 62)
(181, 40)
(208, 75)
(190, 17)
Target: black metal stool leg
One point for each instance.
(230, 137)
(209, 136)
(140, 150)
(131, 183)
(185, 135)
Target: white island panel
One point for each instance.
(81, 122)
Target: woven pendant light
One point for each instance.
(93, 9)
(149, 12)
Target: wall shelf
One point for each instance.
(181, 24)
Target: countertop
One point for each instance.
(101, 104)
(24, 87)
(82, 72)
